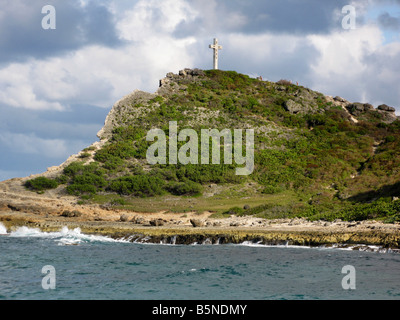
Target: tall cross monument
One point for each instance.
(216, 48)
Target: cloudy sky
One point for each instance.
(57, 85)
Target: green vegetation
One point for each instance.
(315, 164)
(41, 184)
(185, 188)
(139, 185)
(383, 209)
(84, 179)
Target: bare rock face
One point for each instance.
(294, 107)
(191, 73)
(387, 113)
(340, 99)
(300, 108)
(172, 83)
(120, 108)
(388, 117)
(140, 100)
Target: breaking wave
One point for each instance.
(3, 229)
(64, 237)
(68, 236)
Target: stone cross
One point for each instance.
(216, 47)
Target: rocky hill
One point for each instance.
(316, 156)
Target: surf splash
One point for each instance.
(344, 247)
(65, 236)
(3, 229)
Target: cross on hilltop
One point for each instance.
(216, 48)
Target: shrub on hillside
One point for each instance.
(120, 149)
(184, 188)
(81, 189)
(284, 82)
(139, 185)
(41, 184)
(84, 179)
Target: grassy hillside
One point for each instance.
(311, 159)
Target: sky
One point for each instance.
(62, 70)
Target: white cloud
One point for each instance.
(342, 52)
(92, 75)
(99, 75)
(356, 64)
(263, 47)
(163, 36)
(149, 27)
(30, 144)
(150, 19)
(17, 83)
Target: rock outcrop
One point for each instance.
(172, 83)
(386, 113)
(386, 108)
(295, 108)
(122, 109)
(356, 109)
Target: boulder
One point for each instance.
(386, 108)
(138, 220)
(191, 72)
(358, 108)
(71, 214)
(198, 73)
(197, 223)
(368, 106)
(157, 222)
(294, 107)
(124, 218)
(339, 99)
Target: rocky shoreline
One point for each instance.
(51, 212)
(295, 232)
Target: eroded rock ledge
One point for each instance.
(356, 236)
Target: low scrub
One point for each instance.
(41, 184)
(139, 185)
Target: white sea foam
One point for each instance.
(261, 245)
(360, 247)
(3, 229)
(63, 237)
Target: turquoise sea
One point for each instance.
(98, 268)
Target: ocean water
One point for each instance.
(98, 268)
